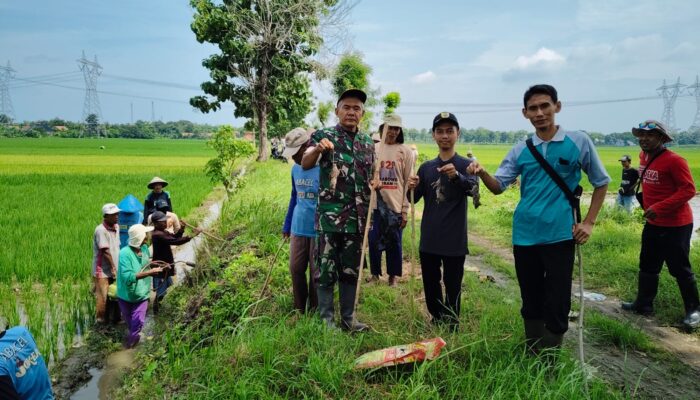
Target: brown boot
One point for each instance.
(393, 280)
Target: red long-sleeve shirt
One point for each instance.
(667, 187)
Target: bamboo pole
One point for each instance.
(267, 278)
(365, 239)
(206, 233)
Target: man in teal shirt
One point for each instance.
(544, 230)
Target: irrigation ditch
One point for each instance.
(92, 370)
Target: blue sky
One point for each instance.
(442, 55)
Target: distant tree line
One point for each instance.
(486, 136)
(139, 130)
(189, 130)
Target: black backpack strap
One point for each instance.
(646, 167)
(573, 198)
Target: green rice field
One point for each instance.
(53, 191)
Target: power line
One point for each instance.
(106, 92)
(173, 85)
(40, 82)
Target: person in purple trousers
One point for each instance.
(134, 283)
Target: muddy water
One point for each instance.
(105, 379)
(187, 253)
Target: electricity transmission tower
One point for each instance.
(670, 93)
(6, 75)
(92, 114)
(695, 91)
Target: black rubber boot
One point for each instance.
(646, 293)
(534, 330)
(550, 340)
(325, 305)
(549, 346)
(689, 293)
(347, 308)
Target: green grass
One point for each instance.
(53, 191)
(213, 347)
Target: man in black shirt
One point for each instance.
(625, 194)
(443, 240)
(162, 240)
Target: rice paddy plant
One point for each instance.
(53, 192)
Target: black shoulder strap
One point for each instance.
(646, 167)
(573, 199)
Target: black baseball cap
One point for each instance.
(354, 93)
(445, 116)
(158, 216)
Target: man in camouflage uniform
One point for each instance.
(345, 156)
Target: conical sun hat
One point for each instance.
(157, 180)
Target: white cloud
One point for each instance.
(543, 58)
(425, 77)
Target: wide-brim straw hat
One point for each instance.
(658, 127)
(157, 180)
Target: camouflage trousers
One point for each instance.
(338, 257)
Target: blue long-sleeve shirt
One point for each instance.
(302, 202)
(444, 224)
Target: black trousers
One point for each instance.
(451, 276)
(669, 244)
(544, 274)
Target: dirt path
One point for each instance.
(636, 373)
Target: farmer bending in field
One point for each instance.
(346, 158)
(162, 240)
(23, 372)
(134, 283)
(105, 247)
(443, 238)
(299, 223)
(390, 214)
(667, 186)
(544, 229)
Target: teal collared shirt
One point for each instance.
(128, 287)
(543, 214)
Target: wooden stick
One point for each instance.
(413, 222)
(365, 239)
(267, 278)
(413, 237)
(211, 235)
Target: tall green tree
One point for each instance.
(92, 123)
(352, 73)
(391, 102)
(323, 111)
(264, 46)
(292, 102)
